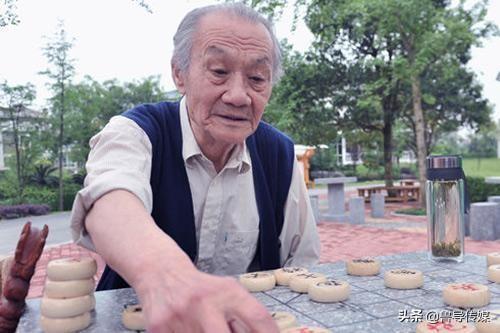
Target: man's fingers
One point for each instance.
(255, 316)
(237, 326)
(213, 321)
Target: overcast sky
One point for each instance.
(119, 39)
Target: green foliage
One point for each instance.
(43, 174)
(325, 159)
(91, 104)
(450, 144)
(368, 55)
(482, 144)
(60, 73)
(299, 110)
(144, 4)
(70, 191)
(9, 188)
(41, 195)
(20, 124)
(480, 191)
(412, 211)
(8, 15)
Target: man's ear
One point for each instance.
(179, 79)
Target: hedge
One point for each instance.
(479, 191)
(15, 211)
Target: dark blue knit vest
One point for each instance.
(272, 155)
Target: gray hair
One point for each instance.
(184, 36)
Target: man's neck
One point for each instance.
(218, 153)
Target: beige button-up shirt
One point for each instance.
(225, 208)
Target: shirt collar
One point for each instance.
(240, 157)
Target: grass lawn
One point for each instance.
(484, 167)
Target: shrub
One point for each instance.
(41, 195)
(70, 190)
(480, 191)
(37, 210)
(15, 211)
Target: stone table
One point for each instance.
(492, 180)
(336, 197)
(371, 307)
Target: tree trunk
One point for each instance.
(61, 155)
(418, 116)
(15, 131)
(387, 133)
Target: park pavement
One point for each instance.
(339, 241)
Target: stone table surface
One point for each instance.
(492, 180)
(335, 180)
(371, 307)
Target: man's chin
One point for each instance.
(233, 137)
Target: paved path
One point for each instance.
(58, 230)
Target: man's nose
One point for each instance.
(237, 92)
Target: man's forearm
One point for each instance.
(126, 236)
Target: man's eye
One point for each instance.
(219, 72)
(257, 79)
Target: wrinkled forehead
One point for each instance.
(219, 32)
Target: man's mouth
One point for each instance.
(233, 117)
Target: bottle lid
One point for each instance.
(444, 161)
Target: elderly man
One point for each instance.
(178, 194)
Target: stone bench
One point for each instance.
(377, 202)
(484, 221)
(357, 210)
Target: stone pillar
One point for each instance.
(467, 223)
(484, 223)
(377, 202)
(314, 198)
(357, 210)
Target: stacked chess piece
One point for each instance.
(68, 295)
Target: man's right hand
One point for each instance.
(192, 301)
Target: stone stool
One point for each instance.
(484, 224)
(357, 210)
(494, 198)
(314, 198)
(377, 202)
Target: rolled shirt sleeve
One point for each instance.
(300, 243)
(120, 158)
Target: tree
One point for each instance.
(16, 99)
(297, 109)
(91, 104)
(8, 14)
(451, 98)
(429, 31)
(60, 73)
(144, 5)
(352, 82)
(482, 144)
(393, 46)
